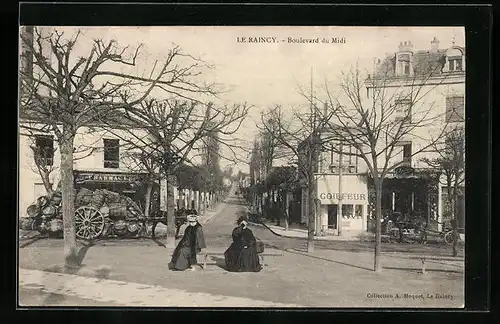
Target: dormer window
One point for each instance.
(455, 63)
(404, 58)
(455, 60)
(404, 64)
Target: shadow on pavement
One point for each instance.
(52, 299)
(158, 242)
(220, 262)
(78, 261)
(326, 259)
(31, 241)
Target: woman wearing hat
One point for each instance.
(242, 256)
(184, 256)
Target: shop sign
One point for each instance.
(345, 196)
(106, 177)
(404, 170)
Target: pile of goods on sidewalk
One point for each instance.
(98, 213)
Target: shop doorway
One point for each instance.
(332, 216)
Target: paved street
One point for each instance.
(338, 274)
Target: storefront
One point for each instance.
(354, 199)
(133, 185)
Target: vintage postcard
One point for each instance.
(275, 167)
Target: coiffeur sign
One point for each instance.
(345, 196)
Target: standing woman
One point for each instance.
(241, 256)
(184, 256)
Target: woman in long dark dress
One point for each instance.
(241, 256)
(192, 242)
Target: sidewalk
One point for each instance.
(122, 293)
(302, 233)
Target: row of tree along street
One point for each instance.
(114, 214)
(163, 108)
(375, 126)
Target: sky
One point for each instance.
(268, 74)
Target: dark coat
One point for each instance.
(191, 243)
(241, 256)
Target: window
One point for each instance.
(403, 151)
(404, 64)
(402, 110)
(455, 109)
(349, 160)
(347, 211)
(111, 153)
(44, 150)
(455, 63)
(407, 154)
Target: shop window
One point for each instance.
(358, 211)
(455, 111)
(347, 211)
(111, 153)
(44, 150)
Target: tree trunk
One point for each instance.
(287, 214)
(147, 201)
(378, 225)
(68, 202)
(311, 218)
(454, 222)
(46, 182)
(170, 213)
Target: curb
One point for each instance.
(316, 238)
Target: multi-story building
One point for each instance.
(439, 75)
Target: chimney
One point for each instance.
(434, 45)
(405, 46)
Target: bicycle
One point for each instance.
(445, 234)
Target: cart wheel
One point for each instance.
(89, 222)
(448, 237)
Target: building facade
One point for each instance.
(102, 160)
(414, 187)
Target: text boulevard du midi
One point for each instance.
(299, 40)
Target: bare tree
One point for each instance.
(175, 129)
(397, 109)
(299, 132)
(270, 151)
(144, 162)
(450, 164)
(79, 89)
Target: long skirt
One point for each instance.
(242, 260)
(231, 256)
(183, 258)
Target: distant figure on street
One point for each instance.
(184, 256)
(242, 256)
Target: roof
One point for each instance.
(424, 62)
